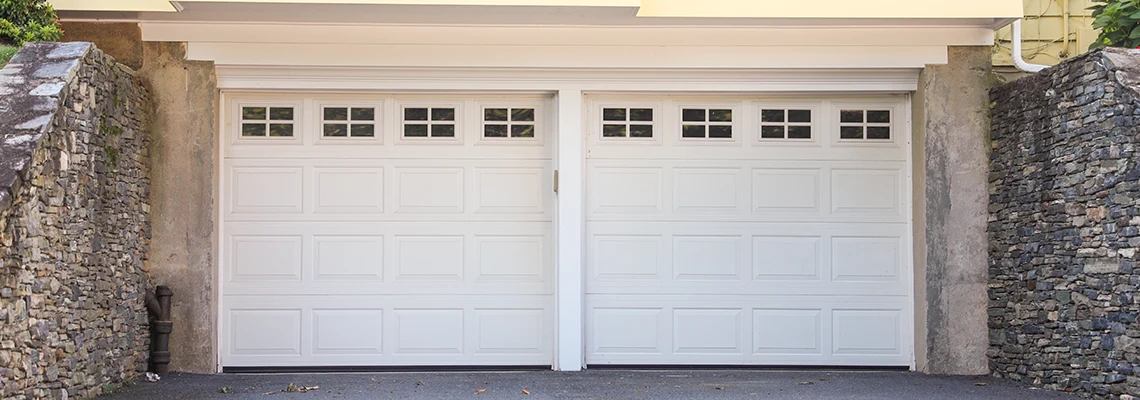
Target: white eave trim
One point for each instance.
(550, 80)
(547, 35)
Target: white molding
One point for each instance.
(567, 35)
(570, 232)
(577, 56)
(549, 79)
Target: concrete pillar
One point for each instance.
(951, 143)
(183, 197)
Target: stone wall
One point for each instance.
(74, 195)
(184, 152)
(1065, 226)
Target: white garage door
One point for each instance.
(386, 230)
(748, 231)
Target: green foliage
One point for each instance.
(23, 21)
(6, 53)
(112, 156)
(1118, 22)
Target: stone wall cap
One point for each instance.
(30, 89)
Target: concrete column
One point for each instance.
(184, 151)
(951, 121)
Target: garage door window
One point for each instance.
(785, 124)
(508, 122)
(865, 124)
(349, 122)
(257, 121)
(627, 122)
(429, 122)
(699, 123)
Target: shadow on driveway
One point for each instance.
(593, 384)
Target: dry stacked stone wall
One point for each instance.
(74, 228)
(1065, 227)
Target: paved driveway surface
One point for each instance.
(593, 384)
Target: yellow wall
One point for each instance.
(1044, 32)
(999, 9)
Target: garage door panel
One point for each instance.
(348, 331)
(266, 257)
(322, 190)
(340, 257)
(862, 332)
(348, 190)
(626, 190)
(717, 331)
(276, 190)
(388, 330)
(759, 191)
(626, 257)
(515, 190)
(796, 331)
(709, 190)
(787, 258)
(429, 190)
(782, 191)
(867, 192)
(405, 258)
(727, 329)
(709, 257)
(746, 258)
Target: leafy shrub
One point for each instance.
(24, 21)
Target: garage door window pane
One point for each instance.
(772, 131)
(641, 131)
(495, 131)
(253, 113)
(363, 114)
(720, 115)
(522, 131)
(641, 114)
(799, 132)
(495, 114)
(693, 131)
(253, 130)
(415, 130)
(443, 131)
(415, 114)
(851, 132)
(363, 130)
(613, 130)
(281, 130)
(281, 113)
(336, 130)
(336, 113)
(614, 114)
(720, 132)
(688, 115)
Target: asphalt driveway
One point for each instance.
(593, 384)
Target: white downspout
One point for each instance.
(1018, 61)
